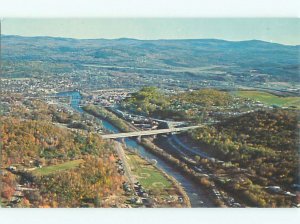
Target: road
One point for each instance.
(187, 148)
(150, 132)
(122, 156)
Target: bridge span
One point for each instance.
(149, 132)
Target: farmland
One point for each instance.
(270, 99)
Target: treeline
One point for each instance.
(90, 185)
(264, 141)
(183, 166)
(27, 144)
(24, 140)
(39, 110)
(147, 101)
(109, 116)
(182, 106)
(205, 97)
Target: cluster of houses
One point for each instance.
(140, 191)
(35, 86)
(120, 167)
(143, 196)
(15, 199)
(25, 166)
(107, 97)
(19, 190)
(127, 188)
(20, 193)
(139, 121)
(140, 196)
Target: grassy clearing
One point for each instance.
(150, 177)
(47, 170)
(270, 99)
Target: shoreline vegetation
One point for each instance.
(181, 166)
(105, 114)
(124, 126)
(252, 141)
(180, 191)
(184, 195)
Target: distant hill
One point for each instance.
(279, 62)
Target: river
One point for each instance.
(198, 197)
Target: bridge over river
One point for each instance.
(149, 132)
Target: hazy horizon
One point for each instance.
(131, 38)
(281, 31)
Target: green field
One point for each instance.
(270, 99)
(47, 170)
(150, 177)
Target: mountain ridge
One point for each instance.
(276, 62)
(147, 40)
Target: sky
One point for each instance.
(277, 30)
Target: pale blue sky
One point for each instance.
(285, 31)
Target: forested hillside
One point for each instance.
(189, 58)
(266, 142)
(181, 106)
(68, 169)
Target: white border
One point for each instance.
(149, 8)
(150, 216)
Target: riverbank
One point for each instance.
(185, 197)
(182, 167)
(104, 114)
(165, 190)
(122, 125)
(198, 195)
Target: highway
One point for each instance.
(149, 132)
(189, 149)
